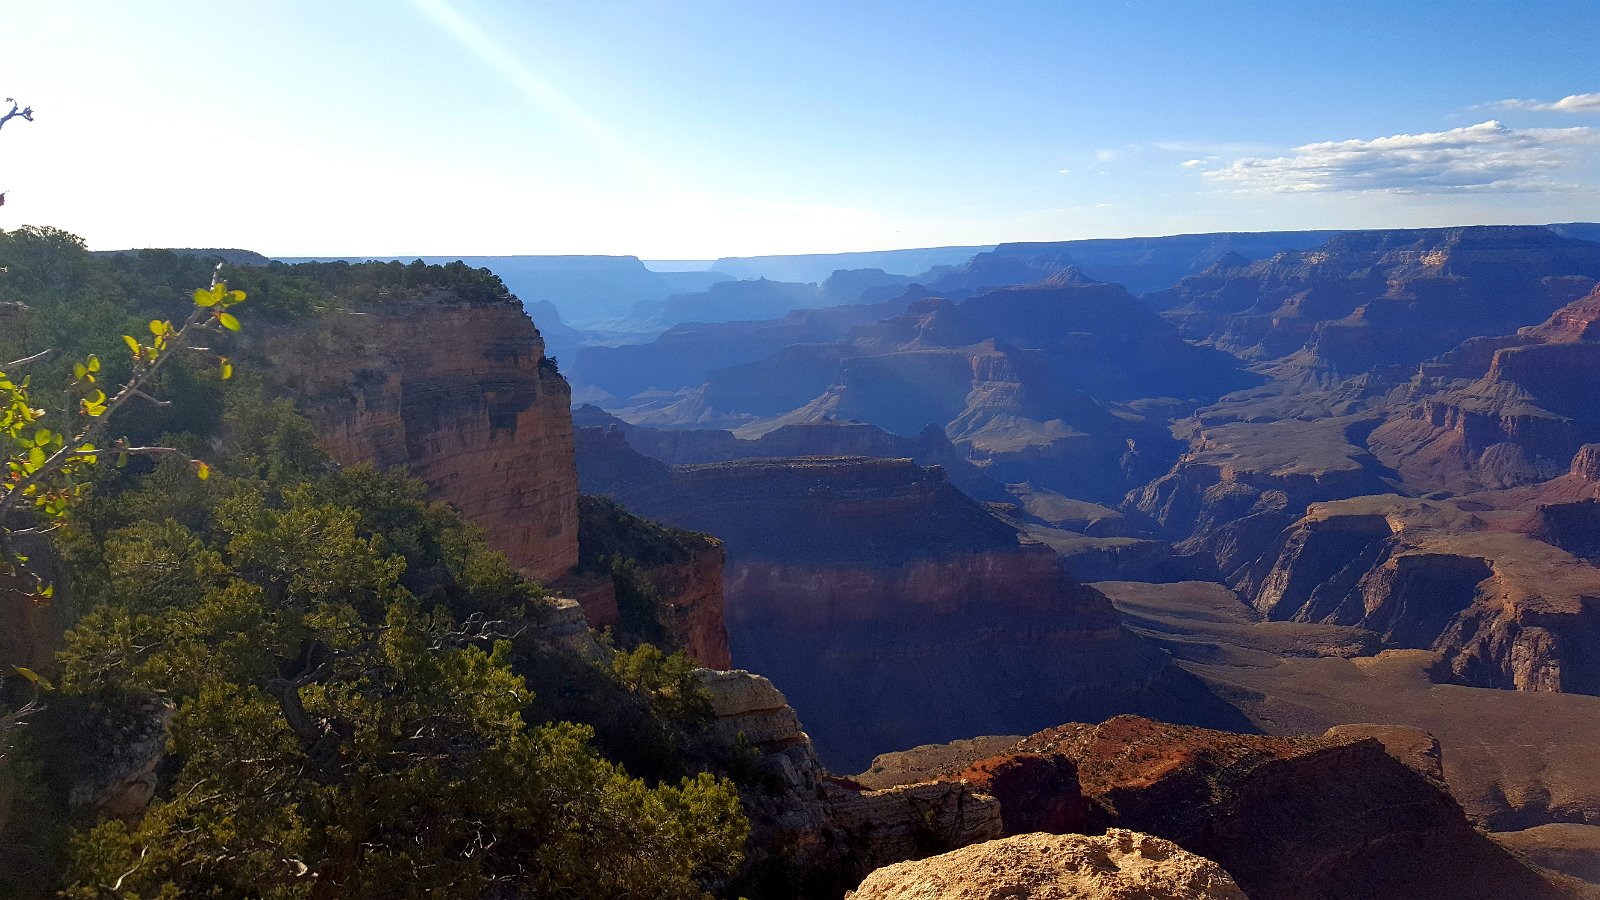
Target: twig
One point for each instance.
(16, 113)
(19, 363)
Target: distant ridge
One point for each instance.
(818, 266)
(230, 255)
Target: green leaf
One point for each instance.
(234, 297)
(30, 674)
(42, 437)
(35, 457)
(132, 344)
(201, 470)
(158, 327)
(204, 297)
(228, 321)
(79, 370)
(94, 363)
(227, 369)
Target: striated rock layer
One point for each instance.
(1367, 300)
(1501, 583)
(1503, 411)
(461, 393)
(1457, 511)
(1118, 865)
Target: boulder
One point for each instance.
(1118, 865)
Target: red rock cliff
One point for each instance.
(460, 393)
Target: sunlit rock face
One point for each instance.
(1118, 865)
(461, 394)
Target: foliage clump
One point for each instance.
(614, 542)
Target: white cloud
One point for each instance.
(1193, 163)
(1574, 103)
(1064, 171)
(1483, 157)
(1106, 155)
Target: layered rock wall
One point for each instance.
(1504, 608)
(892, 609)
(460, 393)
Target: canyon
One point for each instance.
(1387, 480)
(1308, 532)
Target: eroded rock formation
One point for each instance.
(1501, 411)
(651, 583)
(459, 392)
(1470, 578)
(1367, 300)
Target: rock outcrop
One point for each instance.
(1513, 759)
(832, 830)
(1118, 865)
(1336, 816)
(122, 782)
(461, 393)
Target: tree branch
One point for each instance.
(16, 112)
(199, 320)
(26, 360)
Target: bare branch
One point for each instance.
(19, 363)
(17, 112)
(149, 399)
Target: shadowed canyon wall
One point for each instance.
(892, 609)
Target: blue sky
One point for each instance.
(699, 129)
